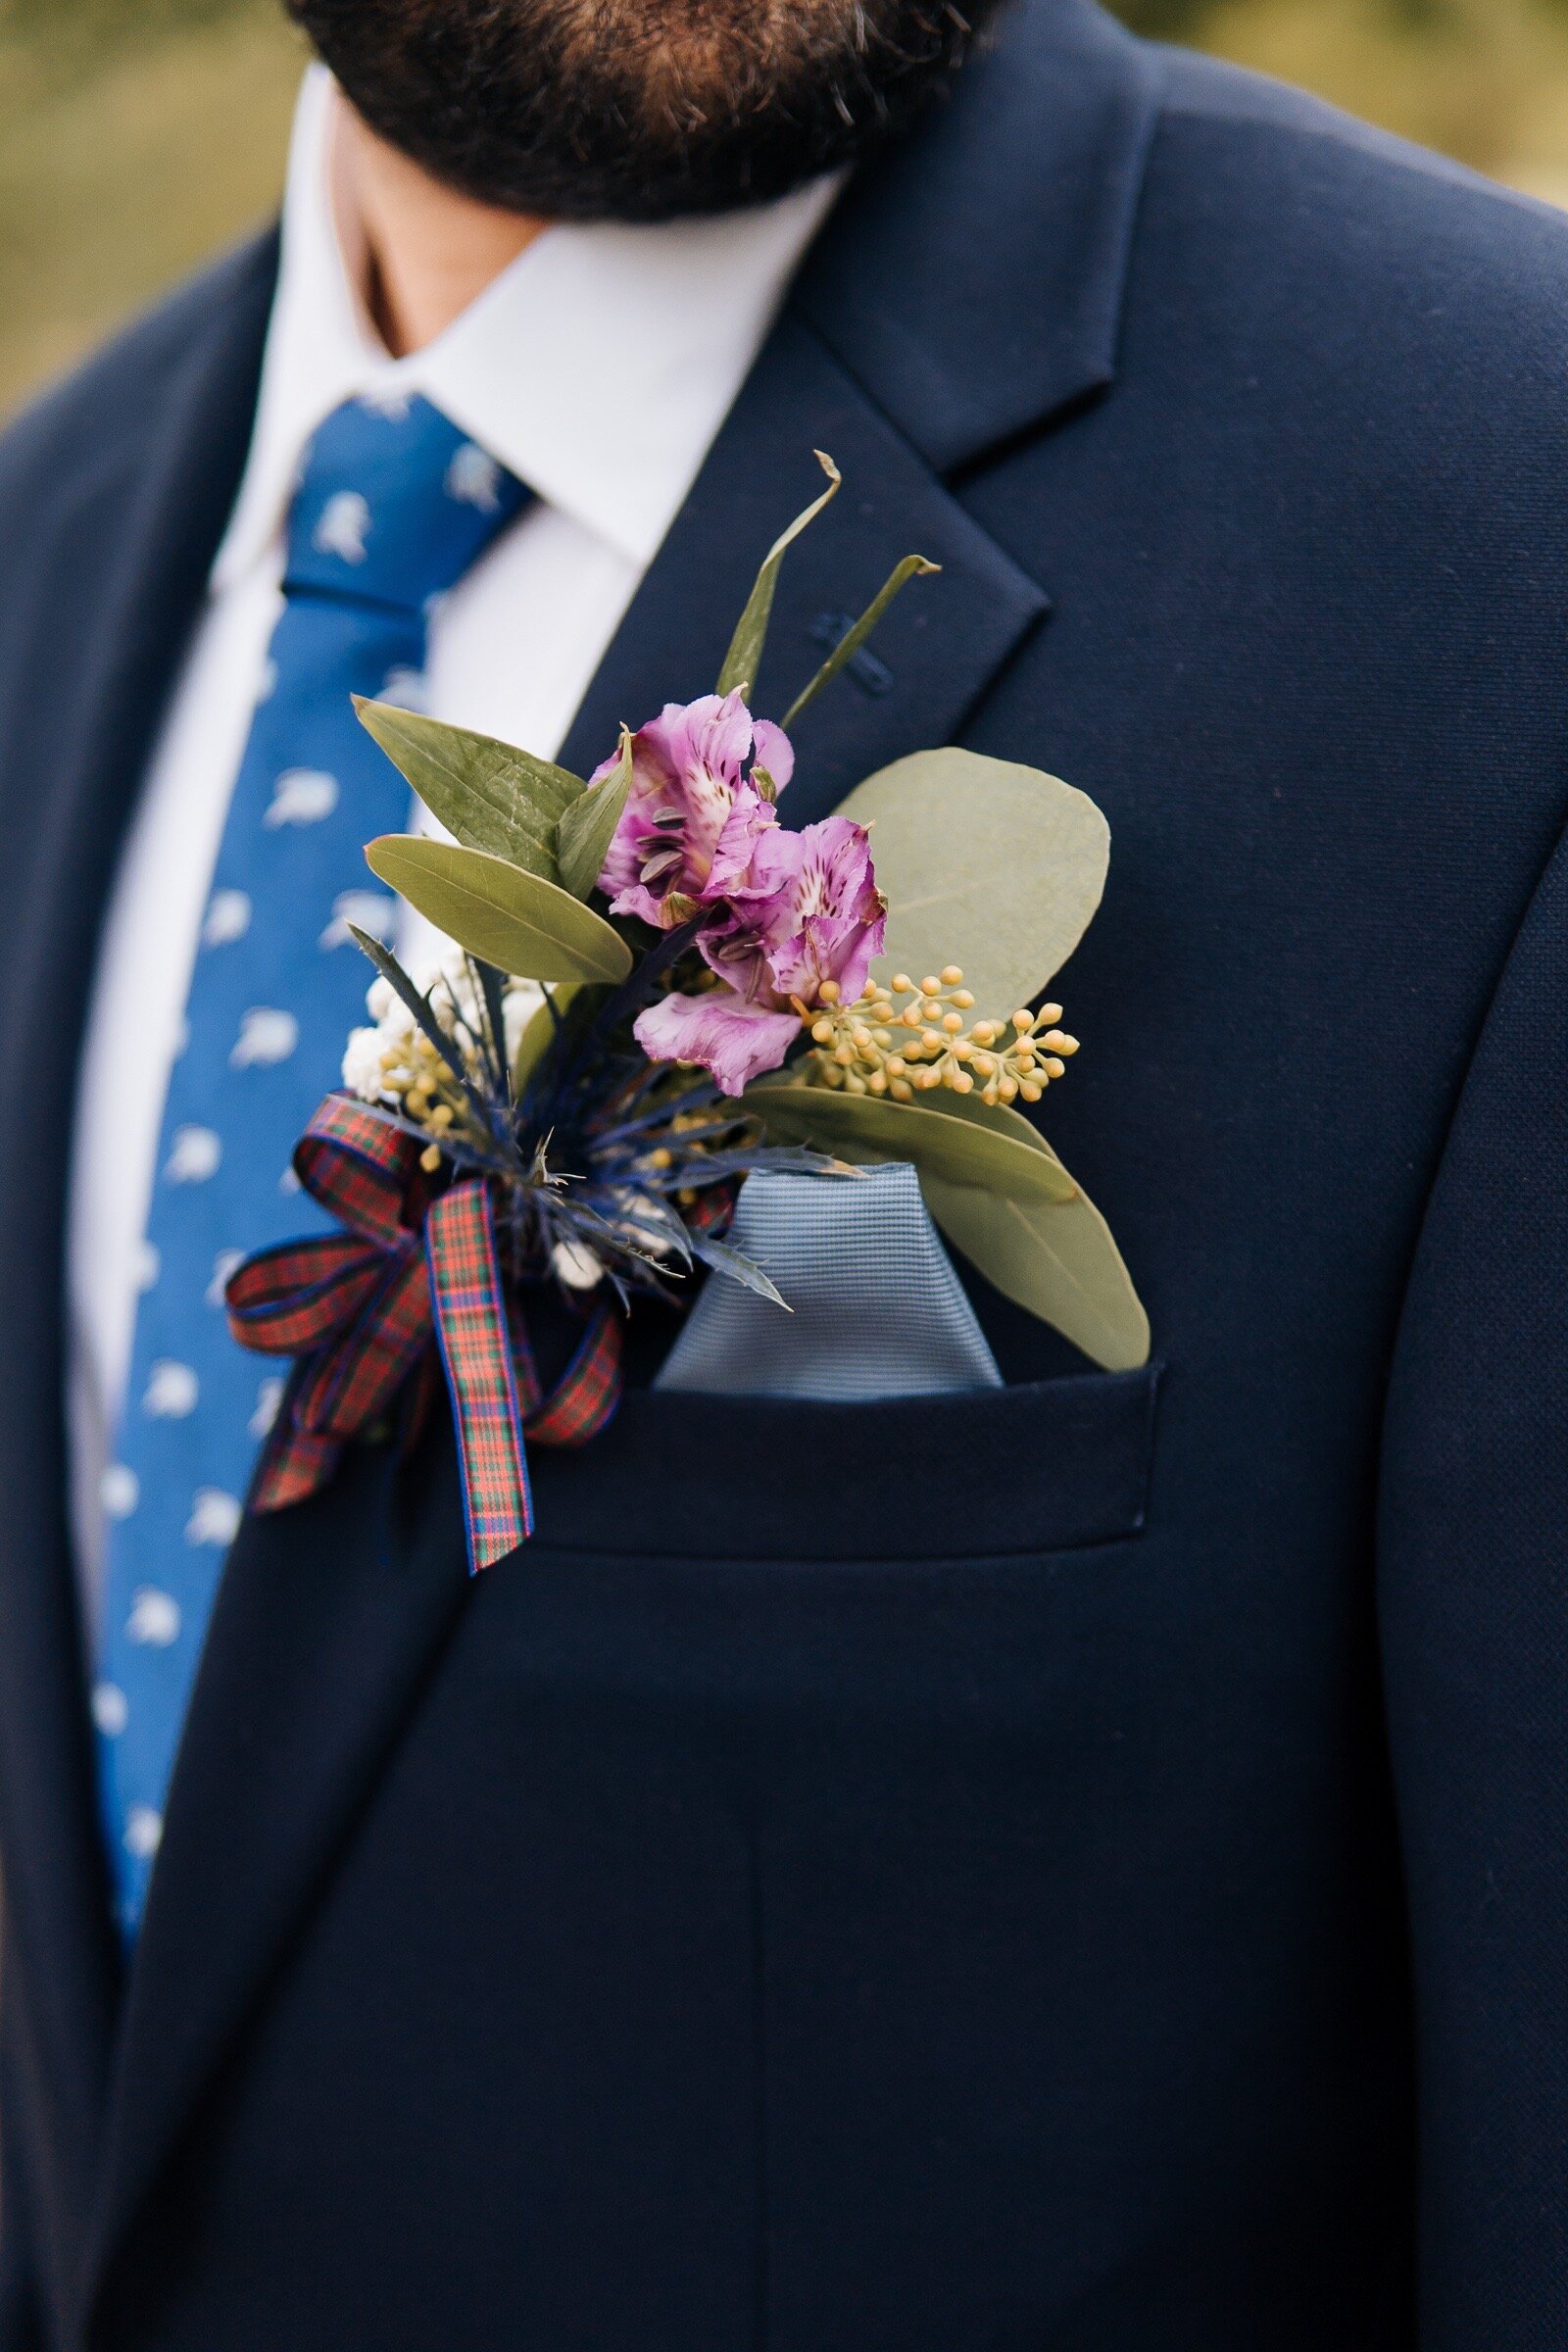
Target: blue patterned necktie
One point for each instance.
(393, 505)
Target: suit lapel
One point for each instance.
(114, 581)
(331, 1617)
(936, 652)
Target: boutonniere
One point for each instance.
(656, 989)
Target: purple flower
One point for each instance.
(733, 1041)
(814, 913)
(784, 911)
(827, 919)
(692, 816)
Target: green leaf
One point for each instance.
(869, 1128)
(516, 921)
(489, 795)
(1058, 1261)
(745, 657)
(582, 835)
(850, 644)
(990, 865)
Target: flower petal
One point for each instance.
(733, 1041)
(686, 774)
(774, 749)
(735, 872)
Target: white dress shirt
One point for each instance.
(599, 366)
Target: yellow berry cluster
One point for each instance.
(874, 1046)
(699, 1126)
(425, 1092)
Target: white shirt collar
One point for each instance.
(599, 366)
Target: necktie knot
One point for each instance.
(393, 505)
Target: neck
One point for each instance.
(422, 251)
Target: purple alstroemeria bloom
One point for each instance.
(692, 815)
(733, 1041)
(827, 918)
(815, 914)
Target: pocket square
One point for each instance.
(877, 1309)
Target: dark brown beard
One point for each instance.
(637, 110)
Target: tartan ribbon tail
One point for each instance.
(475, 1343)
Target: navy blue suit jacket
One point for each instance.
(1082, 1869)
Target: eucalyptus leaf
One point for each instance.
(869, 1128)
(850, 644)
(1059, 1263)
(993, 867)
(512, 918)
(490, 796)
(583, 832)
(745, 657)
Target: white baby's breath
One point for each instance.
(383, 1062)
(577, 1266)
(363, 1058)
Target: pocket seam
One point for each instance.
(1104, 1443)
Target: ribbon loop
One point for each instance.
(282, 1299)
(359, 1309)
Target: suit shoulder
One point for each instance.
(1261, 111)
(1389, 255)
(89, 417)
(1393, 198)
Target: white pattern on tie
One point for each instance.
(144, 1831)
(195, 1154)
(172, 1390)
(228, 917)
(214, 1517)
(266, 1036)
(474, 478)
(154, 1617)
(109, 1711)
(119, 1491)
(367, 910)
(268, 1397)
(343, 527)
(302, 795)
(223, 1266)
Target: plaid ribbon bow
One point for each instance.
(359, 1309)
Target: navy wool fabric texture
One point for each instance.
(1077, 1865)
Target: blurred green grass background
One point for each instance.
(136, 135)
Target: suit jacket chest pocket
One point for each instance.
(1057, 1465)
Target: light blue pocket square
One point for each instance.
(877, 1309)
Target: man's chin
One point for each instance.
(633, 110)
